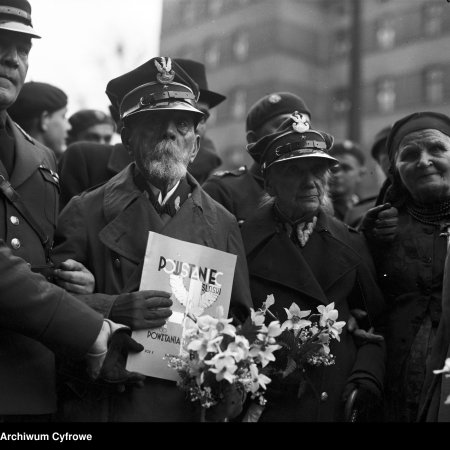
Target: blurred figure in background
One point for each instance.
(40, 109)
(240, 190)
(379, 151)
(345, 181)
(91, 125)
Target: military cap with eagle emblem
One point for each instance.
(294, 139)
(157, 85)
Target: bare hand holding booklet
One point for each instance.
(200, 279)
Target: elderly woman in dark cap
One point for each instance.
(300, 253)
(409, 245)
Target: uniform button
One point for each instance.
(117, 263)
(14, 220)
(324, 396)
(15, 243)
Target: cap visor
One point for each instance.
(315, 154)
(211, 98)
(169, 106)
(18, 27)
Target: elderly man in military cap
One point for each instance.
(40, 109)
(240, 190)
(314, 260)
(84, 165)
(107, 228)
(36, 316)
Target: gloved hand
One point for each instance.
(74, 277)
(141, 310)
(107, 357)
(379, 224)
(113, 369)
(361, 336)
(230, 406)
(363, 401)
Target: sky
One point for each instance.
(86, 43)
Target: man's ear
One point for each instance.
(268, 186)
(43, 121)
(195, 149)
(251, 137)
(125, 134)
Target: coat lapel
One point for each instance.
(27, 158)
(311, 271)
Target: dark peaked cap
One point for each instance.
(197, 71)
(15, 15)
(149, 88)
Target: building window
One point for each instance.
(341, 43)
(432, 17)
(215, 7)
(386, 95)
(241, 46)
(341, 102)
(239, 104)
(385, 33)
(212, 54)
(434, 85)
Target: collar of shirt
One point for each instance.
(157, 193)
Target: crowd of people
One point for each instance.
(75, 223)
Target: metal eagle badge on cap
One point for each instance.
(301, 122)
(166, 74)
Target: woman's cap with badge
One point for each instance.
(160, 84)
(415, 122)
(15, 16)
(294, 139)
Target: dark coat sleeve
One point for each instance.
(42, 311)
(241, 300)
(218, 190)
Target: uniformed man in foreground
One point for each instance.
(107, 228)
(35, 316)
(240, 190)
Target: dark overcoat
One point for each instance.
(26, 366)
(87, 164)
(334, 266)
(106, 229)
(239, 191)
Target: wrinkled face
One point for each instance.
(56, 129)
(101, 133)
(298, 185)
(14, 50)
(347, 176)
(423, 164)
(163, 144)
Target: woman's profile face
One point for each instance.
(423, 164)
(298, 185)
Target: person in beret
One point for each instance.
(240, 190)
(40, 109)
(84, 165)
(91, 125)
(300, 253)
(36, 317)
(408, 237)
(106, 228)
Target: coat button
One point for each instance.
(15, 243)
(323, 396)
(117, 263)
(14, 220)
